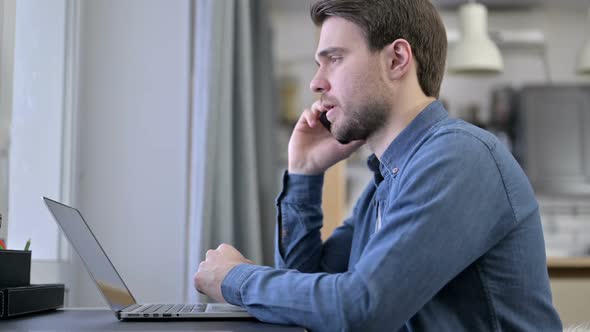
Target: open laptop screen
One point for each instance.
(97, 263)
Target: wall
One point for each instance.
(570, 297)
(565, 31)
(36, 125)
(133, 136)
(7, 11)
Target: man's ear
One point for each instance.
(399, 58)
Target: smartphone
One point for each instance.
(324, 120)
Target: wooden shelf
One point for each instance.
(568, 267)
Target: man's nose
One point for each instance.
(319, 85)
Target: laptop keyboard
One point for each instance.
(168, 308)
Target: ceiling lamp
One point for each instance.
(475, 53)
(584, 62)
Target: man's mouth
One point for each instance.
(328, 110)
(327, 107)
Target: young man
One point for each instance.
(446, 237)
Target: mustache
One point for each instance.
(328, 101)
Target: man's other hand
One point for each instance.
(215, 267)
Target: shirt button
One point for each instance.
(395, 171)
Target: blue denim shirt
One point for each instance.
(446, 237)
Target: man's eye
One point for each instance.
(335, 59)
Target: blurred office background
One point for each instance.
(166, 122)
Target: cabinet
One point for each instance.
(556, 120)
(334, 198)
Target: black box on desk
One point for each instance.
(16, 301)
(15, 268)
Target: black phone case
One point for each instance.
(324, 120)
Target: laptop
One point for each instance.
(112, 287)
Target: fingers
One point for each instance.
(224, 247)
(315, 111)
(311, 116)
(223, 253)
(316, 108)
(209, 253)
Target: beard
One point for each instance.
(362, 122)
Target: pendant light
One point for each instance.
(475, 53)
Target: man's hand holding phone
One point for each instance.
(312, 148)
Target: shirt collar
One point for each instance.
(393, 156)
(373, 163)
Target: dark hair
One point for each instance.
(384, 21)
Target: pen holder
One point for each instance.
(16, 268)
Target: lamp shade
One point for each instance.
(584, 61)
(475, 53)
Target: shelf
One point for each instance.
(568, 267)
(508, 39)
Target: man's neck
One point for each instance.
(399, 119)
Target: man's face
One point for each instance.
(350, 81)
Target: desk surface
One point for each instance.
(105, 320)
